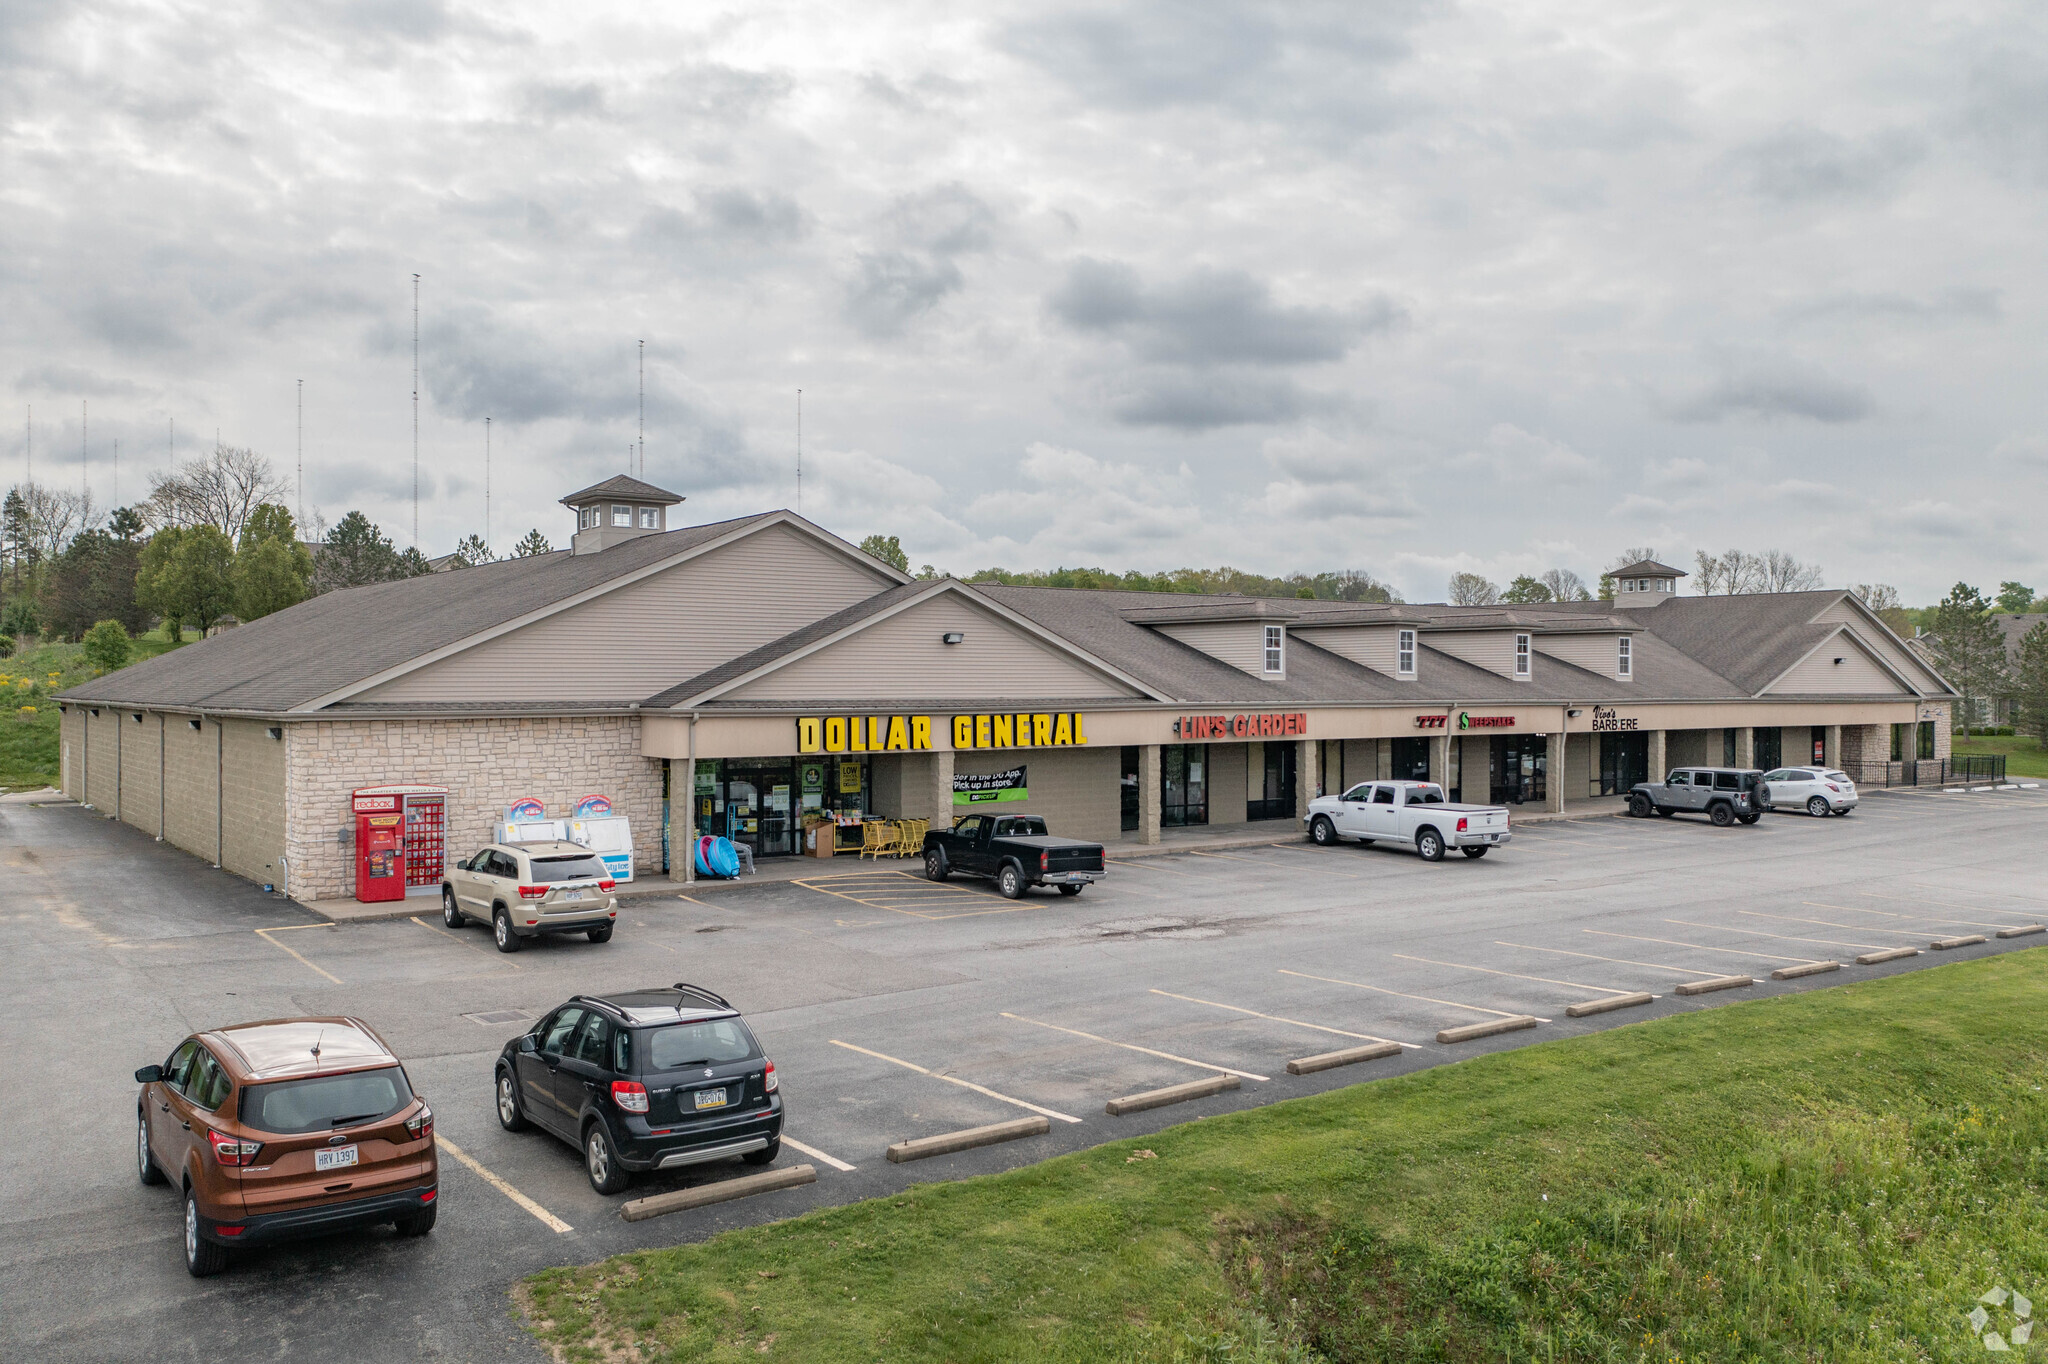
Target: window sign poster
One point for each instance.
(813, 777)
(778, 798)
(976, 788)
(849, 779)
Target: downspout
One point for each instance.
(161, 771)
(220, 836)
(120, 767)
(690, 808)
(85, 756)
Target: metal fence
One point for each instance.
(1968, 767)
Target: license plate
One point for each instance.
(710, 1098)
(572, 895)
(334, 1158)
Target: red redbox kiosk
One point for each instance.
(400, 843)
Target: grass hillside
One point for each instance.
(28, 718)
(1838, 1175)
(2024, 757)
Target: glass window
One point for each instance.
(622, 516)
(1274, 635)
(555, 1036)
(589, 1042)
(1926, 738)
(1404, 655)
(1521, 655)
(179, 1067)
(505, 865)
(649, 516)
(208, 1084)
(1382, 795)
(1783, 774)
(1361, 792)
(1624, 657)
(969, 827)
(1428, 795)
(1183, 785)
(319, 1102)
(1680, 779)
(1025, 827)
(547, 870)
(713, 1042)
(1727, 781)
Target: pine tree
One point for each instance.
(1968, 649)
(534, 543)
(473, 551)
(2030, 683)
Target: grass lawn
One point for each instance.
(28, 722)
(2024, 757)
(1836, 1175)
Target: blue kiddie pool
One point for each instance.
(715, 857)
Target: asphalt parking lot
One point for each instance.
(893, 1008)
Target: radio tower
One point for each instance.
(799, 452)
(83, 490)
(643, 409)
(487, 480)
(415, 410)
(299, 482)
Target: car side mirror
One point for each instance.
(149, 1075)
(527, 1046)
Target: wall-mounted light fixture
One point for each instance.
(1838, 663)
(193, 723)
(275, 731)
(952, 637)
(95, 712)
(138, 717)
(1575, 714)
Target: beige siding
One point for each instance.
(1077, 792)
(1241, 644)
(644, 638)
(1229, 770)
(252, 801)
(102, 761)
(1493, 650)
(1903, 659)
(1595, 653)
(903, 657)
(1581, 771)
(70, 745)
(485, 764)
(1857, 674)
(1374, 646)
(1693, 748)
(189, 769)
(141, 768)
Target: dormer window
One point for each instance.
(1275, 636)
(650, 518)
(1666, 584)
(622, 516)
(1624, 657)
(1404, 654)
(1642, 584)
(1522, 657)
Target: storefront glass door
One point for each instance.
(1770, 747)
(1129, 787)
(1183, 785)
(758, 805)
(1276, 799)
(1520, 769)
(1624, 761)
(1411, 760)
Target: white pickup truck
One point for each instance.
(1408, 812)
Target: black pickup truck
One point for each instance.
(1016, 850)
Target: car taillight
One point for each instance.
(421, 1124)
(606, 885)
(1461, 824)
(773, 1083)
(630, 1096)
(1044, 861)
(233, 1150)
(533, 892)
(1833, 787)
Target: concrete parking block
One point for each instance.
(2020, 932)
(1330, 1060)
(724, 1191)
(1712, 983)
(1812, 968)
(967, 1138)
(1966, 940)
(1172, 1094)
(1608, 1005)
(1487, 1029)
(1889, 954)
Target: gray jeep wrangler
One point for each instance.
(1726, 795)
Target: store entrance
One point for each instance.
(1411, 760)
(1624, 761)
(1276, 799)
(757, 805)
(1520, 769)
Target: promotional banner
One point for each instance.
(973, 788)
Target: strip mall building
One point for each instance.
(730, 677)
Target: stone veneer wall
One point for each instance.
(485, 764)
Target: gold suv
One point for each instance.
(524, 890)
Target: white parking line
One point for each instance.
(1902, 918)
(1295, 1022)
(814, 1153)
(553, 1222)
(1691, 972)
(954, 1080)
(1781, 937)
(1128, 1046)
(264, 933)
(1398, 994)
(1696, 946)
(1516, 975)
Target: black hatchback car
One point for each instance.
(644, 1080)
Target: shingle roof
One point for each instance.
(623, 485)
(1750, 639)
(290, 658)
(1648, 568)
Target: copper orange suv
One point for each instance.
(284, 1128)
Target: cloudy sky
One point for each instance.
(1409, 287)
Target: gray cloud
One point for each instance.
(1801, 164)
(1210, 317)
(1769, 389)
(721, 221)
(74, 380)
(1188, 402)
(1960, 304)
(928, 231)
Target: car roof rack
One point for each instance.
(702, 993)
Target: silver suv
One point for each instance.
(1723, 794)
(528, 889)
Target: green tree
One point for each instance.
(1968, 648)
(191, 580)
(1469, 589)
(93, 579)
(153, 579)
(473, 551)
(533, 543)
(2030, 683)
(886, 548)
(106, 646)
(2015, 597)
(20, 619)
(1525, 591)
(126, 523)
(272, 569)
(356, 553)
(413, 564)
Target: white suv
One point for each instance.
(1821, 790)
(529, 889)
